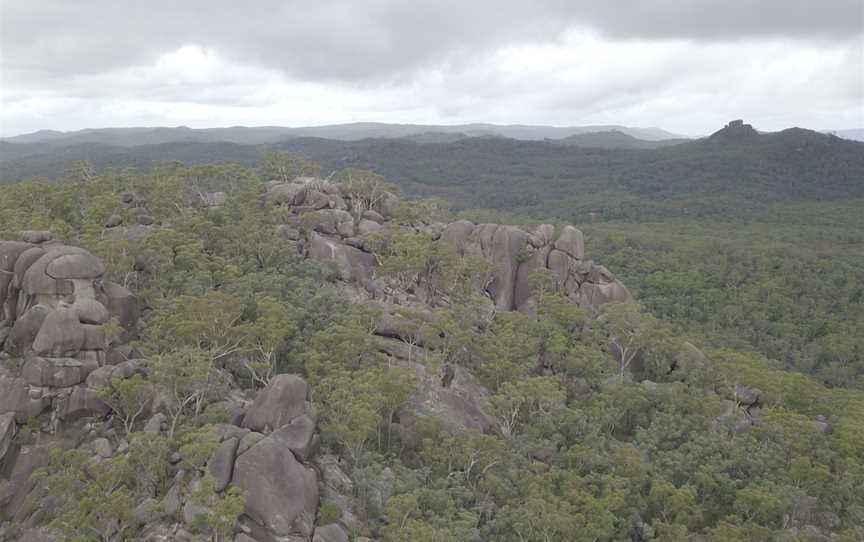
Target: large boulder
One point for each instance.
(56, 372)
(350, 262)
(282, 493)
(571, 242)
(61, 334)
(282, 400)
(504, 252)
(286, 194)
(90, 311)
(15, 398)
(221, 465)
(299, 436)
(84, 402)
(335, 222)
(121, 303)
(79, 265)
(25, 329)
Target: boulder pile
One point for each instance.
(337, 220)
(55, 309)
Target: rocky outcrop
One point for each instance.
(270, 460)
(54, 305)
(278, 404)
(282, 492)
(333, 222)
(516, 254)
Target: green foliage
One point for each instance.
(94, 504)
(129, 398)
(581, 448)
(281, 166)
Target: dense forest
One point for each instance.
(736, 173)
(726, 403)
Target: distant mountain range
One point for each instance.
(737, 171)
(129, 137)
(615, 139)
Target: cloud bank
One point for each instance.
(684, 65)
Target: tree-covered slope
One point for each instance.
(431, 412)
(735, 177)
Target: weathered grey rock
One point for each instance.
(61, 334)
(37, 280)
(282, 400)
(456, 235)
(333, 477)
(14, 494)
(595, 295)
(747, 396)
(36, 236)
(522, 291)
(368, 226)
(121, 303)
(100, 377)
(504, 252)
(460, 403)
(146, 220)
(171, 502)
(299, 436)
(571, 242)
(330, 533)
(282, 493)
(248, 441)
(15, 397)
(350, 262)
(24, 262)
(374, 216)
(102, 447)
(541, 236)
(286, 194)
(94, 337)
(8, 430)
(82, 403)
(221, 465)
(90, 311)
(114, 221)
(80, 265)
(25, 330)
(56, 372)
(335, 222)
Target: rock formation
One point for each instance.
(54, 307)
(336, 221)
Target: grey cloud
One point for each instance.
(41, 41)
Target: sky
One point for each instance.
(687, 66)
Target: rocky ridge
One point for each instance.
(66, 331)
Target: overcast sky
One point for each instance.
(684, 65)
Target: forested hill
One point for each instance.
(735, 173)
(194, 354)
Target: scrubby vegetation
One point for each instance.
(757, 431)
